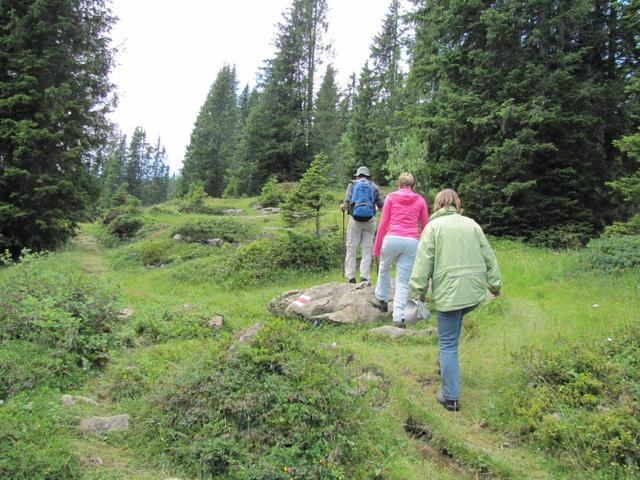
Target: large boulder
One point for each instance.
(335, 302)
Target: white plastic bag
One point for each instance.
(423, 309)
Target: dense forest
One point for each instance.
(530, 109)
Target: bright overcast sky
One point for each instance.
(170, 53)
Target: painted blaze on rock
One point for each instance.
(335, 302)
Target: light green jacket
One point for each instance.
(454, 253)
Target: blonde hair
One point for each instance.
(406, 180)
(447, 198)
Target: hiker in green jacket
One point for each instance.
(454, 254)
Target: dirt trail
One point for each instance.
(90, 253)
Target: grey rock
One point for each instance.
(87, 400)
(270, 210)
(214, 242)
(232, 211)
(395, 332)
(215, 322)
(246, 335)
(104, 424)
(68, 400)
(337, 302)
(177, 237)
(125, 313)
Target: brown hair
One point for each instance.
(406, 180)
(447, 198)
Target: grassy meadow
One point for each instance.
(367, 404)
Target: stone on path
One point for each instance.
(338, 302)
(232, 211)
(68, 400)
(125, 313)
(215, 322)
(246, 335)
(104, 424)
(395, 332)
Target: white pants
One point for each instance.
(404, 251)
(359, 233)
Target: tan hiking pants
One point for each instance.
(362, 234)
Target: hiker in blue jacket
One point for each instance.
(362, 199)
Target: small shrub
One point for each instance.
(280, 402)
(125, 226)
(630, 227)
(136, 373)
(25, 365)
(195, 201)
(228, 229)
(274, 193)
(568, 236)
(612, 253)
(156, 253)
(580, 402)
(60, 309)
(162, 325)
(123, 221)
(266, 259)
(33, 444)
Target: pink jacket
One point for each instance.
(402, 211)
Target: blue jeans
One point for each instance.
(404, 251)
(449, 327)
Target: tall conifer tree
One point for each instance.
(326, 124)
(54, 94)
(519, 104)
(276, 139)
(379, 97)
(214, 135)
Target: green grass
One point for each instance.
(548, 299)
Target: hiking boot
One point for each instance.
(365, 280)
(380, 304)
(451, 405)
(352, 280)
(400, 324)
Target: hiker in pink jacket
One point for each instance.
(404, 216)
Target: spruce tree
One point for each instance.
(276, 139)
(367, 135)
(214, 135)
(136, 160)
(113, 174)
(378, 99)
(157, 176)
(310, 195)
(326, 125)
(54, 94)
(519, 104)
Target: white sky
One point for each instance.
(171, 51)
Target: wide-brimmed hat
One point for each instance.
(362, 171)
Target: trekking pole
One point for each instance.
(343, 239)
(344, 244)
